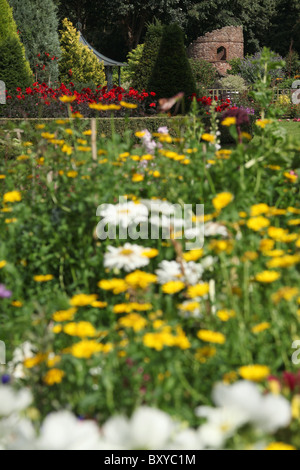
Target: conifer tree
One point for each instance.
(38, 27)
(78, 62)
(172, 72)
(14, 68)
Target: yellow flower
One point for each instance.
(122, 308)
(293, 210)
(68, 99)
(128, 105)
(280, 446)
(208, 137)
(34, 361)
(173, 287)
(54, 376)
(199, 290)
(134, 321)
(263, 123)
(225, 315)
(86, 349)
(116, 285)
(150, 253)
(203, 354)
(72, 174)
(277, 233)
(140, 135)
(193, 255)
(250, 256)
(266, 245)
(2, 264)
(64, 315)
(294, 222)
(220, 246)
(255, 373)
(222, 200)
(53, 361)
(285, 293)
(82, 329)
(211, 337)
(137, 178)
(261, 327)
(46, 278)
(67, 149)
(292, 178)
(258, 223)
(229, 121)
(267, 277)
(296, 407)
(13, 196)
(284, 261)
(10, 221)
(57, 329)
(274, 253)
(82, 300)
(98, 304)
(2, 177)
(259, 209)
(140, 279)
(17, 304)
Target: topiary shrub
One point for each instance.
(172, 72)
(145, 65)
(14, 68)
(78, 63)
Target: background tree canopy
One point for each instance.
(116, 27)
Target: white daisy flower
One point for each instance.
(172, 271)
(128, 257)
(123, 214)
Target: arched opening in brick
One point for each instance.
(221, 53)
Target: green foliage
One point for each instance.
(235, 66)
(262, 91)
(78, 62)
(172, 71)
(14, 68)
(204, 72)
(146, 64)
(38, 25)
(292, 64)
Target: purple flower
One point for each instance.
(5, 379)
(241, 116)
(4, 293)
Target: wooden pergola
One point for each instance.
(108, 63)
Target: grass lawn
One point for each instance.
(293, 128)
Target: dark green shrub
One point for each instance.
(14, 68)
(172, 72)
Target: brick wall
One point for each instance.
(209, 46)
